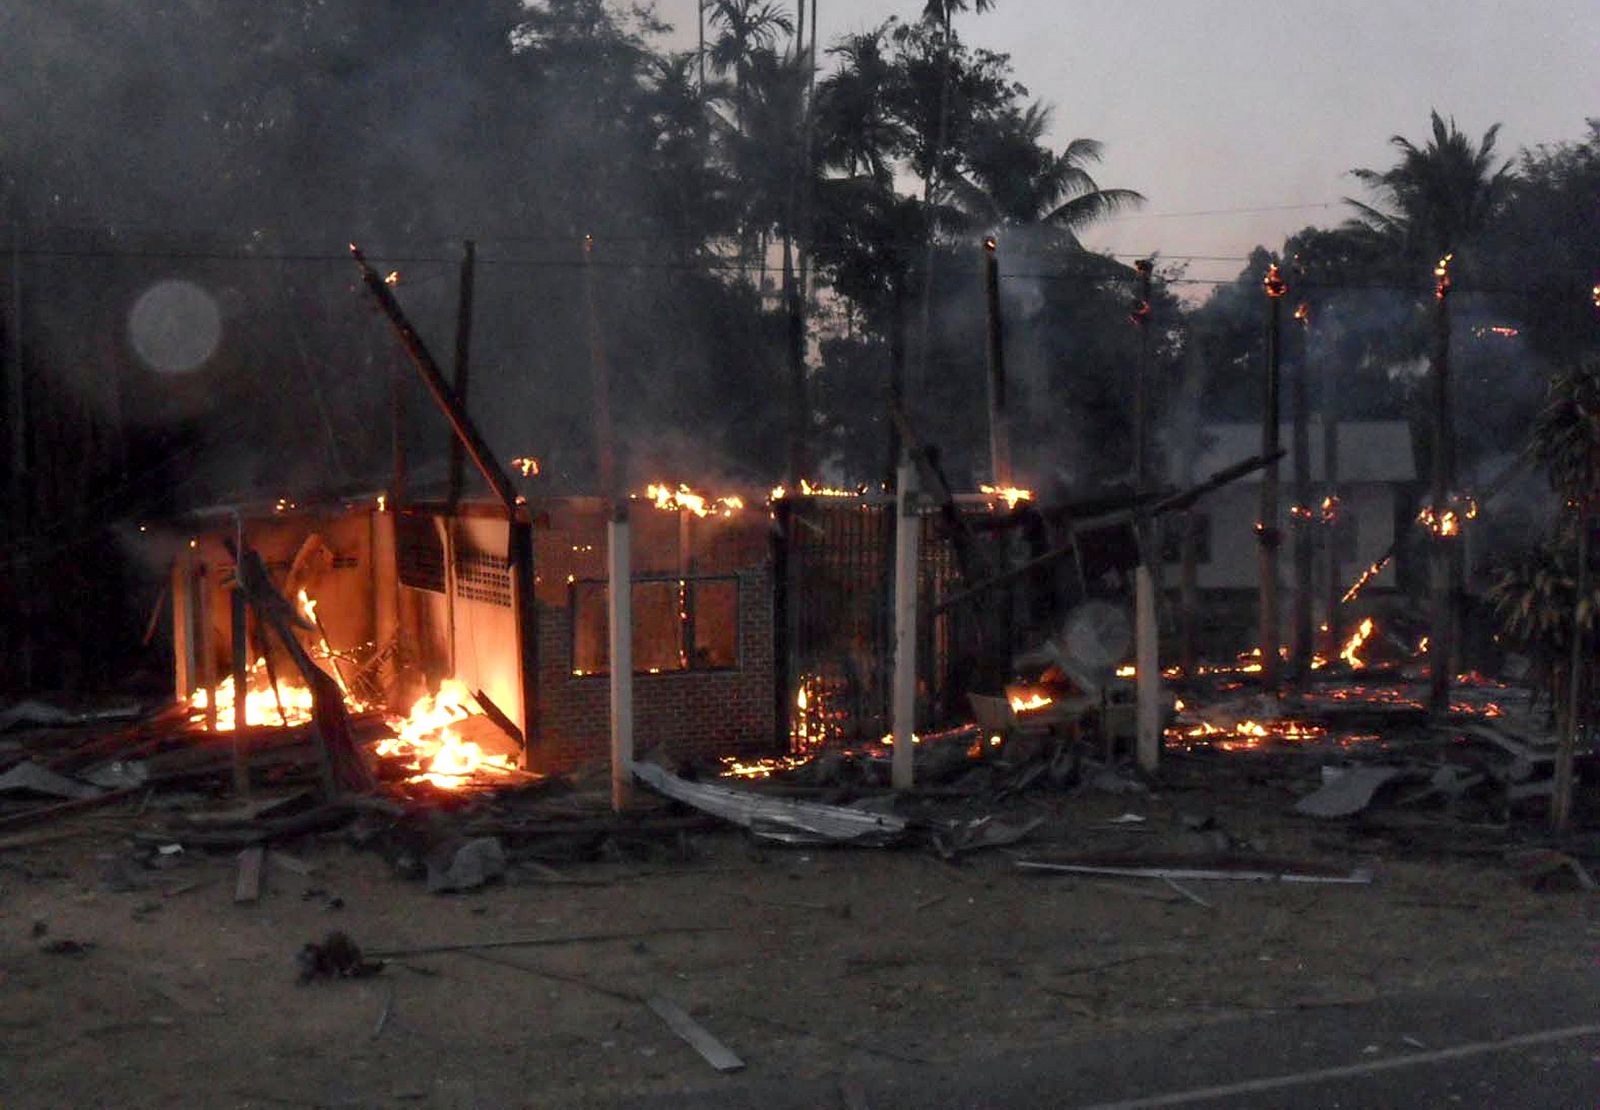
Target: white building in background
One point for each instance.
(1376, 476)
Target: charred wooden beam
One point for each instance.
(460, 422)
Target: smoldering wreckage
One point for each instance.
(455, 686)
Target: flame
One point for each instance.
(283, 505)
(1441, 277)
(1009, 494)
(779, 492)
(260, 703)
(393, 278)
(1024, 703)
(1273, 283)
(736, 768)
(383, 502)
(527, 465)
(1357, 640)
(814, 723)
(1127, 670)
(1303, 312)
(684, 498)
(427, 739)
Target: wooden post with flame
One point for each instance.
(1304, 516)
(999, 420)
(1267, 532)
(1441, 643)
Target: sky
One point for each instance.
(1225, 105)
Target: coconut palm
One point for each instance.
(1437, 198)
(746, 27)
(1014, 180)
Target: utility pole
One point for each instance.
(1267, 532)
(1147, 640)
(999, 421)
(1331, 513)
(1443, 522)
(1304, 514)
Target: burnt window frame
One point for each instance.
(685, 627)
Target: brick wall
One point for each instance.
(693, 714)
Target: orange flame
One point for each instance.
(1009, 494)
(1024, 703)
(527, 465)
(684, 498)
(1357, 641)
(1273, 283)
(1441, 277)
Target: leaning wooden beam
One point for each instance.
(343, 767)
(460, 422)
(1173, 503)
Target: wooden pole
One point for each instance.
(205, 657)
(908, 533)
(619, 593)
(241, 682)
(999, 421)
(462, 362)
(1333, 518)
(1300, 405)
(1566, 752)
(1267, 531)
(1440, 644)
(1147, 636)
(184, 667)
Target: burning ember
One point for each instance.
(1366, 576)
(736, 768)
(1357, 641)
(684, 498)
(427, 739)
(1504, 331)
(1449, 523)
(808, 490)
(393, 278)
(526, 465)
(1303, 312)
(1441, 278)
(1009, 494)
(814, 723)
(1273, 283)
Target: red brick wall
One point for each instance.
(695, 714)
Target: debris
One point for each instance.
(1126, 819)
(67, 947)
(28, 840)
(383, 1015)
(469, 866)
(49, 813)
(1186, 892)
(1360, 876)
(1347, 793)
(247, 888)
(984, 832)
(539, 942)
(1108, 780)
(31, 778)
(119, 774)
(337, 957)
(42, 715)
(1547, 869)
(717, 1054)
(781, 819)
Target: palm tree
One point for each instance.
(1014, 180)
(1437, 198)
(747, 26)
(860, 134)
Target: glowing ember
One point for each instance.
(814, 723)
(1356, 642)
(393, 278)
(1009, 494)
(1127, 670)
(526, 465)
(1441, 277)
(735, 768)
(383, 502)
(684, 498)
(1273, 283)
(808, 490)
(1366, 576)
(1303, 312)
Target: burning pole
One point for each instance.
(1330, 509)
(908, 528)
(463, 361)
(999, 426)
(1146, 634)
(619, 571)
(1441, 642)
(1304, 515)
(1267, 533)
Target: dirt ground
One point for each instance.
(812, 963)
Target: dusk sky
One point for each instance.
(1250, 104)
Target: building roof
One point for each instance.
(1369, 451)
